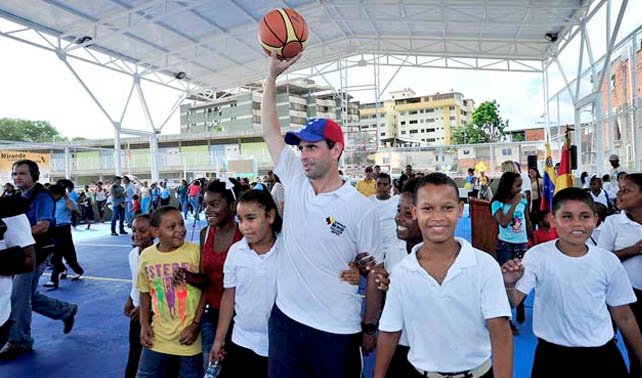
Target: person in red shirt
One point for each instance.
(544, 233)
(193, 193)
(136, 204)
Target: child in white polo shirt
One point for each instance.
(447, 297)
(577, 285)
(622, 234)
(249, 278)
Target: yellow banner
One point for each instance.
(8, 157)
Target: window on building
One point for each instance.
(413, 122)
(403, 132)
(430, 140)
(452, 118)
(403, 123)
(423, 130)
(412, 112)
(421, 121)
(428, 120)
(383, 134)
(451, 107)
(402, 113)
(506, 152)
(430, 130)
(414, 131)
(430, 110)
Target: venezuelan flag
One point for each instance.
(548, 189)
(565, 176)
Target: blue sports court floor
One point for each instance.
(98, 344)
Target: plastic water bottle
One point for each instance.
(213, 370)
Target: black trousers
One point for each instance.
(412, 373)
(636, 308)
(553, 360)
(399, 364)
(64, 248)
(243, 362)
(135, 349)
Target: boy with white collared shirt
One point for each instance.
(447, 297)
(577, 285)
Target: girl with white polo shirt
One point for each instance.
(622, 234)
(249, 278)
(447, 297)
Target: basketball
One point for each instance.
(283, 31)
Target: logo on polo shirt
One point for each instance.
(335, 227)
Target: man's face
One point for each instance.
(126, 180)
(596, 185)
(369, 174)
(117, 182)
(377, 170)
(317, 158)
(408, 170)
(407, 227)
(615, 163)
(383, 188)
(22, 177)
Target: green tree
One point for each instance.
(28, 131)
(487, 126)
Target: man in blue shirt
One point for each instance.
(25, 296)
(118, 198)
(130, 190)
(166, 194)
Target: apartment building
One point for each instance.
(410, 120)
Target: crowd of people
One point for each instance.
(272, 288)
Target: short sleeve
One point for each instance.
(229, 269)
(529, 279)
(44, 208)
(494, 302)
(369, 237)
(606, 240)
(289, 166)
(496, 205)
(18, 232)
(619, 291)
(392, 316)
(142, 282)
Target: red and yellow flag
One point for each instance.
(564, 175)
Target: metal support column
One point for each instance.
(637, 155)
(117, 163)
(67, 168)
(153, 149)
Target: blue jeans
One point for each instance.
(129, 212)
(144, 205)
(209, 322)
(155, 365)
(195, 205)
(299, 351)
(118, 213)
(26, 298)
(184, 206)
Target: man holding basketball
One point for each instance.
(315, 328)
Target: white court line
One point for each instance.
(103, 245)
(98, 278)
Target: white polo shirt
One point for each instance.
(386, 212)
(394, 255)
(618, 232)
(601, 197)
(526, 182)
(134, 258)
(254, 277)
(446, 324)
(18, 234)
(321, 235)
(572, 294)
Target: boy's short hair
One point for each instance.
(601, 211)
(436, 178)
(572, 194)
(157, 216)
(142, 216)
(606, 178)
(384, 176)
(409, 186)
(594, 179)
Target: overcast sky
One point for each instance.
(37, 86)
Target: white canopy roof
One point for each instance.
(214, 42)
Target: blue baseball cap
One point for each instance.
(315, 130)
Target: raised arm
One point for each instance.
(269, 116)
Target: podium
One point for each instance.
(484, 226)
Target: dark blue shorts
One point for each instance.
(507, 251)
(299, 351)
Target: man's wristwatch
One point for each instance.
(369, 329)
